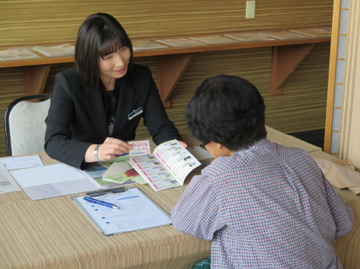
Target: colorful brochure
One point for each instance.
(167, 167)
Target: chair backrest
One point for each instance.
(24, 124)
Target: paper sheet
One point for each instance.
(7, 183)
(137, 212)
(53, 180)
(22, 162)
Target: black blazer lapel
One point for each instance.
(124, 107)
(97, 111)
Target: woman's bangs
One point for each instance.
(109, 47)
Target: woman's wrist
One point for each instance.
(96, 152)
(89, 154)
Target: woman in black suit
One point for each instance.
(96, 106)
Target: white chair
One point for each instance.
(24, 124)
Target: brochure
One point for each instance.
(54, 51)
(17, 54)
(146, 45)
(114, 172)
(167, 167)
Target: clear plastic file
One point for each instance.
(137, 211)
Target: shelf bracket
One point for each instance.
(170, 70)
(285, 59)
(35, 78)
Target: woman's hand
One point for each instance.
(183, 144)
(107, 150)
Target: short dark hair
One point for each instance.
(100, 34)
(228, 110)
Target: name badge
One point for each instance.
(135, 113)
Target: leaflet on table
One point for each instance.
(167, 167)
(107, 174)
(122, 173)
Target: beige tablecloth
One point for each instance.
(55, 233)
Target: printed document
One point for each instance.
(7, 183)
(137, 212)
(167, 167)
(22, 162)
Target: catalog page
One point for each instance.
(167, 167)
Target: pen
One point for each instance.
(95, 201)
(128, 197)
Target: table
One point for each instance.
(55, 233)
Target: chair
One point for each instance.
(24, 124)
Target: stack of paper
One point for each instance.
(56, 51)
(16, 54)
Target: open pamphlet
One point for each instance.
(167, 167)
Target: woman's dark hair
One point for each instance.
(228, 110)
(100, 34)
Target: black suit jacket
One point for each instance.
(77, 116)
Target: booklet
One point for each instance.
(167, 167)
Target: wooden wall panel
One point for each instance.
(40, 21)
(300, 107)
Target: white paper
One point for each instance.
(7, 183)
(16, 54)
(61, 50)
(136, 212)
(53, 180)
(22, 162)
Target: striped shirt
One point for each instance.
(268, 206)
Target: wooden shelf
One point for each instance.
(172, 62)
